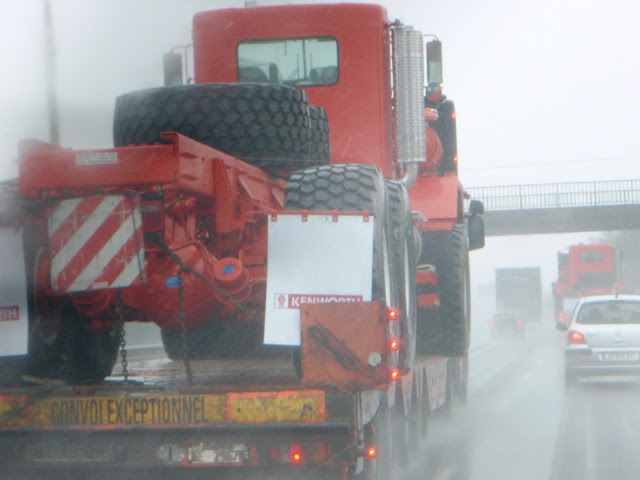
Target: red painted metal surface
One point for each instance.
(50, 168)
(204, 206)
(439, 199)
(358, 105)
(427, 287)
(344, 344)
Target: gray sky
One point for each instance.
(545, 91)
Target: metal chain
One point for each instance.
(123, 341)
(185, 345)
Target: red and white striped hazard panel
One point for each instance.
(96, 242)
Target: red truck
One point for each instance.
(290, 221)
(586, 269)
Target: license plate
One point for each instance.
(619, 356)
(219, 454)
(61, 452)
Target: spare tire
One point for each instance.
(269, 126)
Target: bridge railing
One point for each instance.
(558, 195)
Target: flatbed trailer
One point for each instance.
(243, 418)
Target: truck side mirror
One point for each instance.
(172, 66)
(475, 229)
(476, 207)
(434, 62)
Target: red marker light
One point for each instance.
(296, 456)
(394, 374)
(394, 345)
(455, 159)
(493, 324)
(371, 452)
(519, 323)
(392, 314)
(576, 338)
(453, 115)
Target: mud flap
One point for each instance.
(315, 258)
(344, 344)
(14, 313)
(436, 369)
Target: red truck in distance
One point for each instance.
(585, 269)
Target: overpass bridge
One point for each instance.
(560, 207)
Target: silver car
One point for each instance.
(602, 337)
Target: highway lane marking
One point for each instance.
(591, 468)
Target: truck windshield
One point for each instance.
(290, 61)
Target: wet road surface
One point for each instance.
(521, 423)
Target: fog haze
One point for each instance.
(545, 92)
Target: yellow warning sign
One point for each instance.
(251, 407)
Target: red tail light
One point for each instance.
(371, 452)
(295, 454)
(519, 323)
(576, 338)
(392, 314)
(394, 345)
(493, 324)
(394, 374)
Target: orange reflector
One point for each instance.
(394, 374)
(371, 452)
(392, 314)
(394, 345)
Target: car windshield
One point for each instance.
(604, 313)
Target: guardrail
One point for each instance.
(558, 195)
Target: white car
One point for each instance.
(602, 337)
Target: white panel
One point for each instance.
(319, 260)
(14, 315)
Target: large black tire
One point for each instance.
(377, 433)
(214, 340)
(346, 187)
(400, 434)
(270, 126)
(447, 331)
(403, 267)
(320, 144)
(44, 358)
(90, 355)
